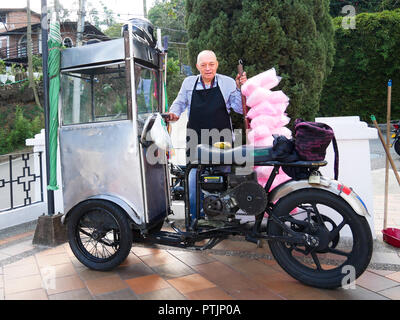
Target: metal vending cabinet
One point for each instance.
(108, 91)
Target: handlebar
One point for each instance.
(165, 116)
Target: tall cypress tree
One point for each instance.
(294, 36)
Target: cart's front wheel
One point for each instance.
(99, 234)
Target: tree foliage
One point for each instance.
(169, 15)
(362, 6)
(295, 37)
(366, 58)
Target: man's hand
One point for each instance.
(240, 80)
(171, 117)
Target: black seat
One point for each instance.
(241, 155)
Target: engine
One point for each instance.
(226, 193)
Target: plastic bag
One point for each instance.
(159, 134)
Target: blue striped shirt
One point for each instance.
(227, 85)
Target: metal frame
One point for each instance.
(27, 185)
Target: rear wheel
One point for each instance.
(345, 240)
(99, 234)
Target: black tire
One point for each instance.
(308, 267)
(397, 146)
(99, 234)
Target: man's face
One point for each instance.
(207, 67)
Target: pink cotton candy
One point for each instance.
(257, 96)
(264, 108)
(275, 97)
(269, 121)
(262, 120)
(259, 132)
(266, 80)
(279, 108)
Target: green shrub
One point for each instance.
(21, 130)
(366, 58)
(2, 67)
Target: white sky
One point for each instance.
(127, 8)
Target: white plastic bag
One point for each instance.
(159, 134)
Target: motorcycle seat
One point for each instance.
(242, 155)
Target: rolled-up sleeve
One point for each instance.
(235, 101)
(181, 101)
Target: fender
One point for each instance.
(132, 213)
(325, 183)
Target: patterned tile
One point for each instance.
(142, 251)
(173, 270)
(193, 259)
(59, 271)
(191, 283)
(162, 294)
(359, 293)
(374, 282)
(131, 259)
(20, 271)
(256, 294)
(52, 259)
(58, 285)
(214, 293)
(230, 260)
(79, 294)
(87, 274)
(125, 294)
(12, 286)
(134, 271)
(394, 276)
(37, 294)
(158, 258)
(147, 284)
(225, 277)
(106, 284)
(391, 293)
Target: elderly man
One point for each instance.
(209, 97)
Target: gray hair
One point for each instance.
(204, 52)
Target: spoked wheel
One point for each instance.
(344, 245)
(99, 234)
(397, 146)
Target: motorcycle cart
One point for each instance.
(114, 196)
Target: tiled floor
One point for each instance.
(169, 274)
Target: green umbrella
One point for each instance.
(54, 44)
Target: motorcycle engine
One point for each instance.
(226, 193)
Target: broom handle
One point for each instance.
(388, 116)
(244, 106)
(386, 149)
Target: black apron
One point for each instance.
(208, 111)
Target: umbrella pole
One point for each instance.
(388, 116)
(50, 193)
